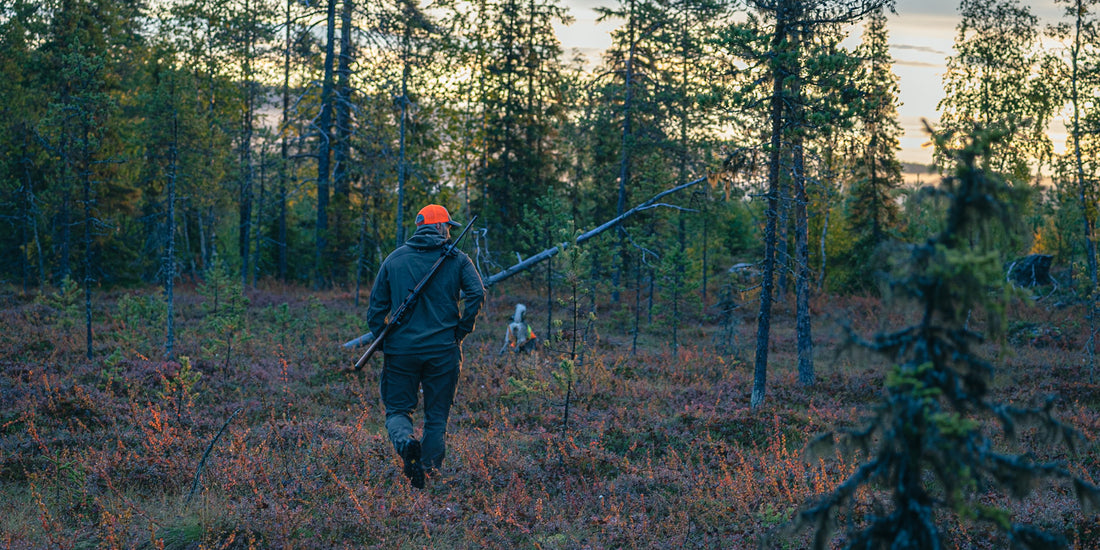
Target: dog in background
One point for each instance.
(519, 335)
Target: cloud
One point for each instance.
(925, 49)
(921, 64)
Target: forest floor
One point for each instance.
(623, 445)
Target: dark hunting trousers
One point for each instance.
(402, 377)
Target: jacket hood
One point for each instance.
(426, 238)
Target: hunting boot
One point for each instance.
(414, 469)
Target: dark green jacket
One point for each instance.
(434, 321)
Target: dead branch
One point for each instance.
(202, 463)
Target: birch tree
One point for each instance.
(996, 77)
(1082, 34)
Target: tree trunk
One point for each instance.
(30, 219)
(245, 211)
(186, 222)
(27, 217)
(549, 288)
(802, 238)
(763, 320)
(1082, 182)
(284, 148)
(170, 253)
(802, 267)
(782, 245)
(65, 215)
(342, 145)
(261, 201)
(323, 152)
(86, 181)
(361, 252)
(624, 161)
(401, 162)
(824, 258)
(637, 306)
(706, 226)
(245, 189)
(682, 171)
(202, 239)
(24, 234)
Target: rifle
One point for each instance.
(398, 315)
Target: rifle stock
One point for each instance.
(407, 303)
(377, 343)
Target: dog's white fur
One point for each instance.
(516, 331)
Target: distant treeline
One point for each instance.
(142, 142)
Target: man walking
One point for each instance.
(425, 350)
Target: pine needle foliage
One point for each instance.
(928, 445)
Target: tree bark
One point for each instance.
(342, 145)
(261, 202)
(86, 181)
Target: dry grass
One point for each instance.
(661, 448)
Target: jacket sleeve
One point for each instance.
(380, 302)
(473, 295)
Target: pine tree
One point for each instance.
(792, 27)
(634, 103)
(689, 84)
(343, 170)
(250, 30)
(321, 268)
(84, 50)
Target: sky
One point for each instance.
(921, 37)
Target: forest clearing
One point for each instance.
(757, 327)
(661, 449)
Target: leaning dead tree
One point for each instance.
(523, 265)
(554, 250)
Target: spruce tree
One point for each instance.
(521, 107)
(22, 162)
(872, 211)
(928, 445)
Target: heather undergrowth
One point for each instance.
(660, 450)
